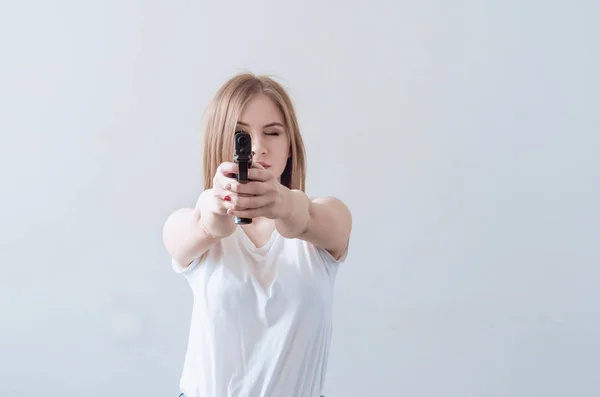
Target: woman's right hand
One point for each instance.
(189, 233)
(213, 204)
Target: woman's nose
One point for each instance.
(258, 147)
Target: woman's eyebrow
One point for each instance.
(275, 123)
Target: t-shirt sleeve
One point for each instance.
(179, 269)
(330, 258)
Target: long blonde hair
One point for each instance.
(221, 119)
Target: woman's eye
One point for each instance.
(272, 133)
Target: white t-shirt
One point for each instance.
(261, 319)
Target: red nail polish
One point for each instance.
(227, 198)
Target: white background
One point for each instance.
(463, 135)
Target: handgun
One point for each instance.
(242, 156)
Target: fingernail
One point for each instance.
(227, 198)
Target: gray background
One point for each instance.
(462, 134)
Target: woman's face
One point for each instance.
(263, 120)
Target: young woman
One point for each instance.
(262, 292)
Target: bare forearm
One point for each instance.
(184, 237)
(216, 226)
(296, 214)
(188, 233)
(325, 221)
(210, 223)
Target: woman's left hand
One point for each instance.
(262, 195)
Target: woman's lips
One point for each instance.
(266, 165)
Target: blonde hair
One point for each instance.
(221, 119)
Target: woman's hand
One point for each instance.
(213, 203)
(262, 195)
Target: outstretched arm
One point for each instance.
(324, 221)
